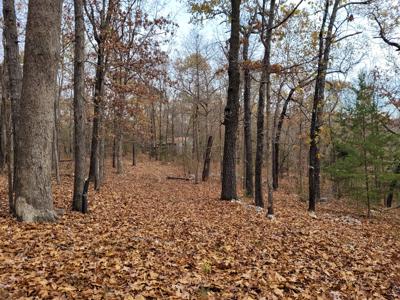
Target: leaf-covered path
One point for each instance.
(151, 238)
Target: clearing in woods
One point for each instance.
(147, 237)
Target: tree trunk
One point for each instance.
(3, 123)
(6, 104)
(248, 149)
(258, 190)
(389, 198)
(56, 158)
(264, 91)
(14, 82)
(34, 200)
(207, 159)
(231, 113)
(114, 152)
(79, 107)
(325, 42)
(119, 150)
(133, 154)
(94, 172)
(275, 153)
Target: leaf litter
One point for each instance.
(147, 237)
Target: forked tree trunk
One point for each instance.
(34, 200)
(207, 159)
(231, 113)
(79, 107)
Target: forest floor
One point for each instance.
(147, 237)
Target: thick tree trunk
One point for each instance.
(79, 107)
(207, 159)
(231, 113)
(34, 200)
(248, 149)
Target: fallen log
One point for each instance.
(178, 178)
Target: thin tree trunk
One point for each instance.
(264, 92)
(79, 107)
(133, 154)
(231, 113)
(207, 159)
(3, 123)
(34, 200)
(258, 190)
(56, 158)
(14, 74)
(275, 174)
(96, 138)
(248, 149)
(119, 150)
(7, 111)
(389, 198)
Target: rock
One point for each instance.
(312, 214)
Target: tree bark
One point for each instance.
(264, 94)
(231, 113)
(133, 154)
(79, 107)
(14, 82)
(119, 150)
(248, 149)
(207, 159)
(325, 42)
(389, 198)
(94, 170)
(34, 200)
(275, 153)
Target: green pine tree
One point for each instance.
(364, 150)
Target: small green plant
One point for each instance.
(206, 267)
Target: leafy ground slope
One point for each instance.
(151, 238)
